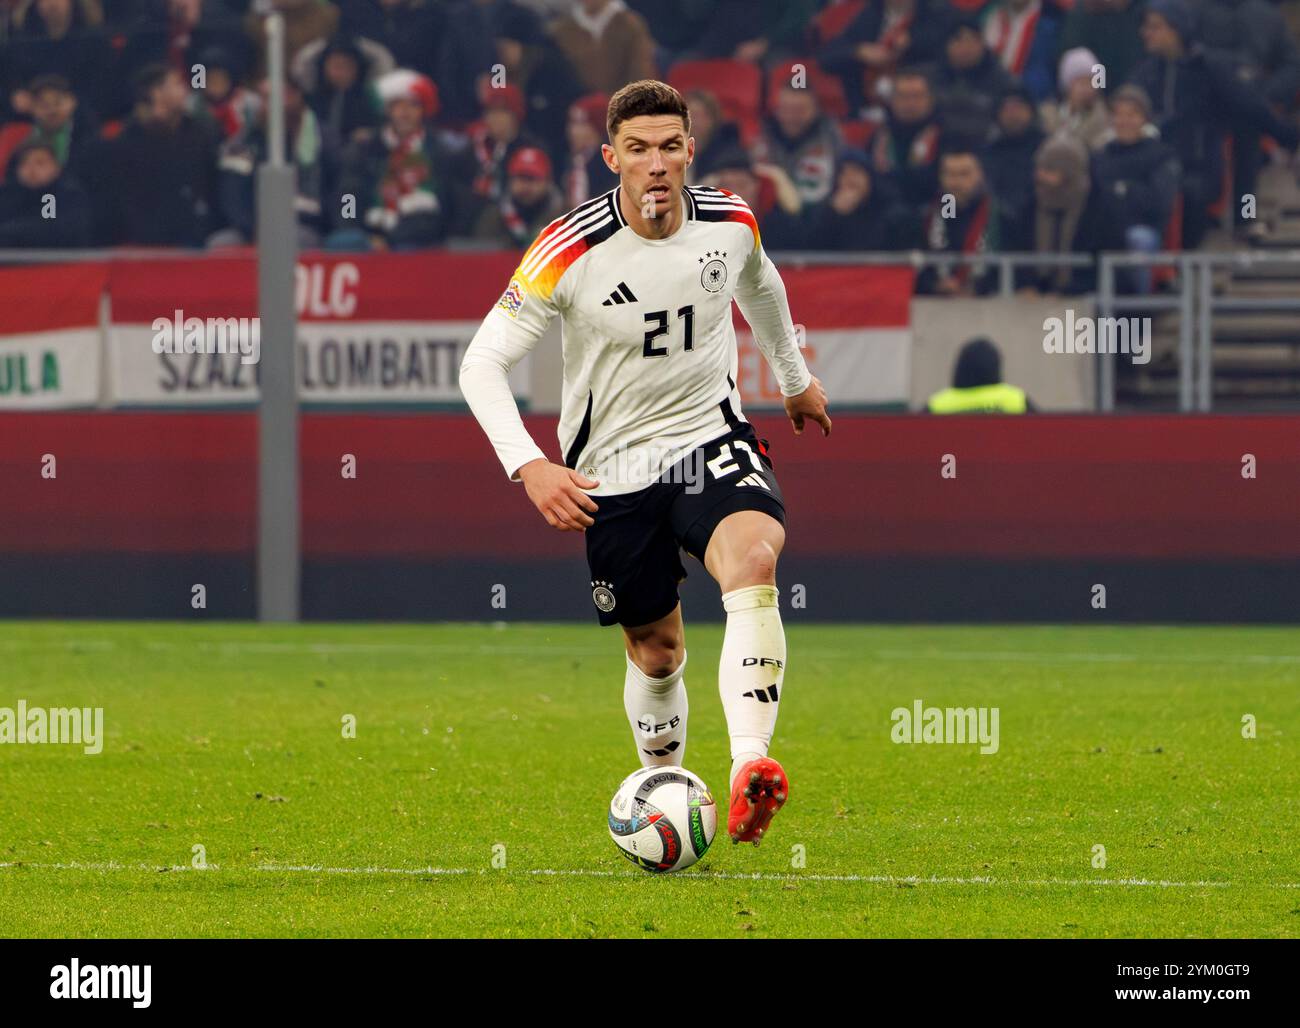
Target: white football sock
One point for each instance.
(751, 670)
(656, 710)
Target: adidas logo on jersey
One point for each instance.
(754, 479)
(620, 295)
(768, 695)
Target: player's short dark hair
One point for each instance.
(645, 96)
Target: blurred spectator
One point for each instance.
(534, 63)
(606, 43)
(801, 140)
(1081, 113)
(1135, 178)
(1195, 98)
(222, 98)
(467, 49)
(58, 37)
(962, 219)
(1111, 30)
(1022, 34)
(753, 30)
(1251, 38)
(977, 386)
(769, 192)
(57, 119)
(970, 81)
(883, 35)
(1061, 190)
(39, 205)
(1011, 168)
(585, 172)
(409, 30)
(857, 214)
(159, 184)
(238, 163)
(339, 91)
(493, 139)
(677, 26)
(402, 178)
(530, 202)
(905, 149)
(713, 133)
(305, 21)
(181, 34)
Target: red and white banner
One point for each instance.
(50, 340)
(855, 332)
(372, 329)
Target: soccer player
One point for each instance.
(656, 453)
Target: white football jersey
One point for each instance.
(649, 345)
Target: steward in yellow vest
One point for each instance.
(977, 386)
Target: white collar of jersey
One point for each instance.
(616, 195)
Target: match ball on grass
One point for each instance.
(662, 818)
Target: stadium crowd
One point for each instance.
(965, 126)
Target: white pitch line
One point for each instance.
(756, 876)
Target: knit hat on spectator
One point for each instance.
(853, 155)
(508, 97)
(404, 84)
(1135, 95)
(1178, 13)
(593, 109)
(732, 158)
(529, 162)
(1076, 63)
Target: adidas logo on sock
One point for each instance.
(620, 295)
(768, 695)
(754, 479)
(663, 752)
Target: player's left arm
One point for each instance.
(760, 293)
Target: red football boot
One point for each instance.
(760, 789)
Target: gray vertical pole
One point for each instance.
(1105, 384)
(1187, 285)
(277, 243)
(1205, 359)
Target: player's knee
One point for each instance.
(756, 565)
(658, 656)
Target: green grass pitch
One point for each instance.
(507, 741)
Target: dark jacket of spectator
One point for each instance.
(1134, 184)
(921, 31)
(972, 230)
(405, 190)
(1111, 29)
(410, 30)
(808, 158)
(342, 112)
(848, 219)
(969, 97)
(159, 188)
(1252, 37)
(23, 224)
(239, 160)
(1194, 100)
(77, 50)
(1009, 163)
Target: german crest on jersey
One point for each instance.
(713, 276)
(513, 298)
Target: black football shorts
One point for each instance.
(633, 547)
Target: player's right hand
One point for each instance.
(557, 492)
